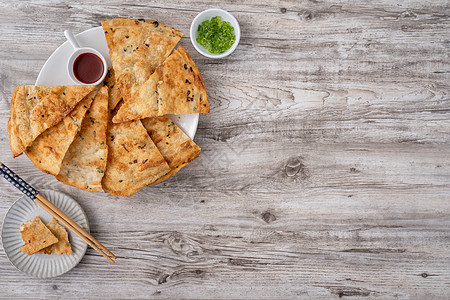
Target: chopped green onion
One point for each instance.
(215, 35)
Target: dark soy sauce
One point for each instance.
(88, 68)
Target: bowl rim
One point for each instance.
(237, 32)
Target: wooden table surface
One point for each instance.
(325, 164)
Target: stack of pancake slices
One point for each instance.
(116, 137)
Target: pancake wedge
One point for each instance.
(113, 92)
(63, 245)
(133, 159)
(36, 108)
(137, 47)
(47, 151)
(36, 236)
(84, 163)
(175, 146)
(176, 87)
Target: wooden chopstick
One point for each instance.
(29, 191)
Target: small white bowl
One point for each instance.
(207, 15)
(76, 53)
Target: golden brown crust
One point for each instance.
(176, 87)
(143, 106)
(114, 95)
(15, 142)
(63, 245)
(47, 151)
(175, 146)
(85, 161)
(137, 48)
(24, 99)
(182, 90)
(133, 159)
(36, 108)
(36, 236)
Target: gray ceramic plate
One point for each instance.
(42, 265)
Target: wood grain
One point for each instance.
(325, 165)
